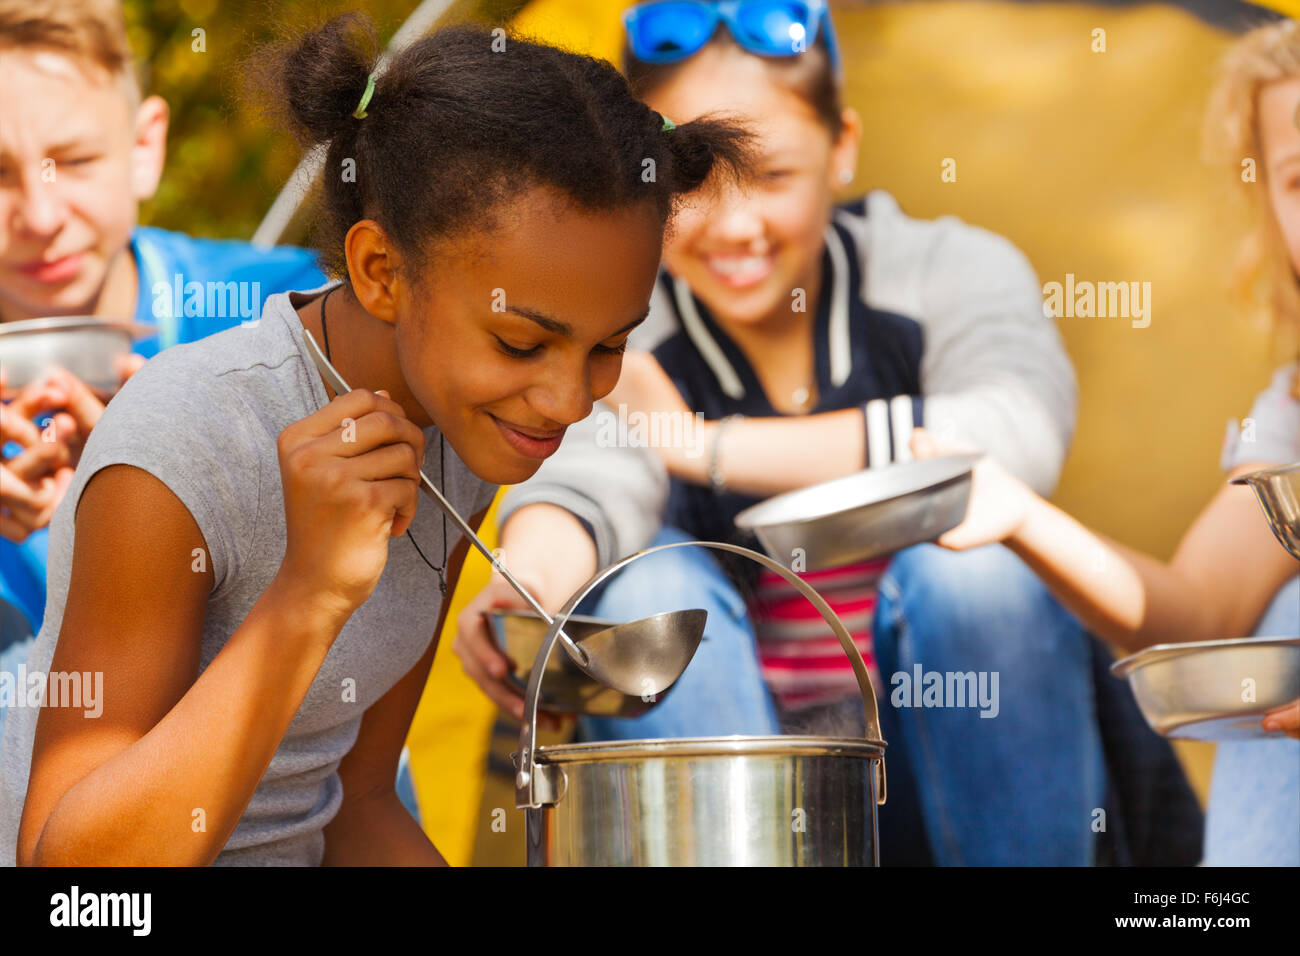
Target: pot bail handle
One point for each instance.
(526, 778)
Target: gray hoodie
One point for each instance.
(985, 365)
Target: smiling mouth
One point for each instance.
(739, 272)
(532, 442)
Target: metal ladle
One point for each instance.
(640, 657)
(535, 785)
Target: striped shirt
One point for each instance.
(801, 659)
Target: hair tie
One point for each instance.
(668, 124)
(360, 111)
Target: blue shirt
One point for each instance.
(189, 288)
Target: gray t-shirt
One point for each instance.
(204, 418)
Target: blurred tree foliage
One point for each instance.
(225, 165)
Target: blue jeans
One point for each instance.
(1018, 788)
(1253, 816)
(1023, 787)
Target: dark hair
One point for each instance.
(809, 76)
(454, 129)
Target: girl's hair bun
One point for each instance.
(315, 81)
(460, 124)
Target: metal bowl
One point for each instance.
(86, 346)
(865, 515)
(1200, 690)
(1278, 491)
(566, 688)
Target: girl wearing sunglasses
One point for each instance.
(833, 329)
(240, 555)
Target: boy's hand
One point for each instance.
(28, 506)
(34, 481)
(76, 407)
(66, 410)
(126, 366)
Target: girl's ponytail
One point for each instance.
(465, 120)
(315, 81)
(707, 147)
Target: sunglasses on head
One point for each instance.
(667, 31)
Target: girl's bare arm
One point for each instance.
(1217, 585)
(163, 774)
(760, 457)
(372, 827)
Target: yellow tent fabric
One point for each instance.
(1290, 7)
(584, 26)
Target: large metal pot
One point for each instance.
(709, 801)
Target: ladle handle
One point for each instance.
(526, 777)
(497, 566)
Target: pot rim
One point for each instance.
(742, 745)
